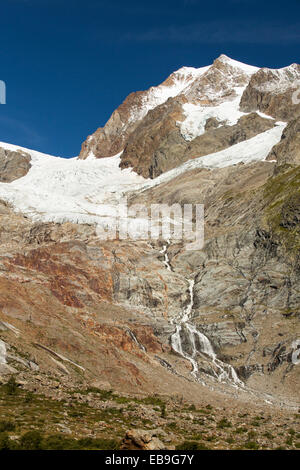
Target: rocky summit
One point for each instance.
(140, 342)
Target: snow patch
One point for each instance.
(196, 115)
(2, 352)
(255, 149)
(161, 93)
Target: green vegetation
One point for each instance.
(34, 440)
(241, 430)
(282, 197)
(251, 445)
(224, 423)
(191, 445)
(7, 426)
(11, 387)
(98, 419)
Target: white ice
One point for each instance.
(196, 115)
(83, 191)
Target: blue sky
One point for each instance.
(68, 64)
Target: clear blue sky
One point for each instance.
(68, 64)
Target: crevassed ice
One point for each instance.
(83, 191)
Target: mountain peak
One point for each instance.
(224, 59)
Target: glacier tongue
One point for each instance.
(85, 191)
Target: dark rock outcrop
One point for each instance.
(157, 145)
(13, 165)
(287, 151)
(270, 91)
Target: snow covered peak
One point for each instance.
(277, 80)
(190, 73)
(180, 82)
(210, 83)
(248, 69)
(173, 86)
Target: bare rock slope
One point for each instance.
(81, 315)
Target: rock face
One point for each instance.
(246, 292)
(114, 312)
(208, 86)
(270, 91)
(13, 165)
(111, 139)
(157, 145)
(287, 151)
(195, 112)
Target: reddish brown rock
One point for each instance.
(111, 139)
(215, 85)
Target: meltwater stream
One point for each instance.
(196, 341)
(166, 258)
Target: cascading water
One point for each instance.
(176, 340)
(198, 343)
(166, 258)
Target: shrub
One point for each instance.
(251, 435)
(240, 430)
(31, 440)
(224, 423)
(4, 441)
(29, 397)
(230, 440)
(60, 442)
(163, 413)
(191, 445)
(6, 426)
(55, 442)
(11, 387)
(252, 445)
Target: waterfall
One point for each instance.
(223, 372)
(176, 340)
(166, 258)
(198, 343)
